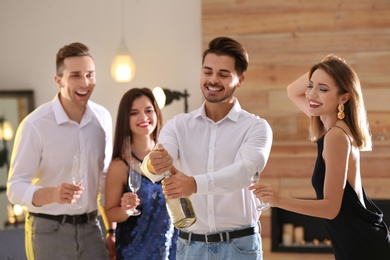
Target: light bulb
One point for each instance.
(160, 97)
(18, 210)
(123, 66)
(6, 131)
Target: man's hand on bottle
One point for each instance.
(160, 160)
(178, 185)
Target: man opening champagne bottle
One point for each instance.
(202, 152)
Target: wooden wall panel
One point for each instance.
(292, 20)
(253, 6)
(380, 126)
(377, 100)
(313, 42)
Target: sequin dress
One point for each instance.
(356, 232)
(150, 235)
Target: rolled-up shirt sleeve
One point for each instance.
(251, 157)
(218, 169)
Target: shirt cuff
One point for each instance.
(28, 197)
(201, 184)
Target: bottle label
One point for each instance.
(180, 210)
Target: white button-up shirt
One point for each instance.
(45, 144)
(217, 154)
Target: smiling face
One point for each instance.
(143, 119)
(219, 78)
(76, 82)
(323, 95)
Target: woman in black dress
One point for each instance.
(330, 94)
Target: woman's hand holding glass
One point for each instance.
(264, 191)
(129, 202)
(135, 179)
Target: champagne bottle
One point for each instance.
(180, 210)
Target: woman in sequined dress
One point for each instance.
(151, 234)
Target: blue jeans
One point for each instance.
(248, 247)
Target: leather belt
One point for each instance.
(70, 219)
(219, 237)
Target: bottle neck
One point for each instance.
(167, 174)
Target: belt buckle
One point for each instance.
(82, 219)
(87, 217)
(74, 220)
(77, 219)
(207, 239)
(63, 220)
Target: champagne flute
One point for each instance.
(134, 184)
(77, 176)
(255, 179)
(247, 154)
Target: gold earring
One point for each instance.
(340, 114)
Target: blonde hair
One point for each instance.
(355, 113)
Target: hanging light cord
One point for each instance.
(122, 20)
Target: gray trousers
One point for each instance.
(49, 239)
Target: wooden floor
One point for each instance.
(268, 255)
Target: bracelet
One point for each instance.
(110, 231)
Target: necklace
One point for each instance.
(135, 157)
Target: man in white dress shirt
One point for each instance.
(217, 149)
(40, 176)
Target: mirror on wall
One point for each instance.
(14, 106)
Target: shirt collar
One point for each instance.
(61, 116)
(233, 114)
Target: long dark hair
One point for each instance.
(123, 137)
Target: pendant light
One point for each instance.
(123, 66)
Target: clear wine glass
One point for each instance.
(247, 154)
(134, 184)
(263, 205)
(78, 176)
